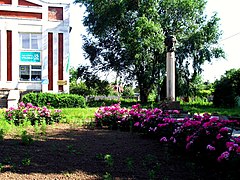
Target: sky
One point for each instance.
(228, 12)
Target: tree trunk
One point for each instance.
(143, 94)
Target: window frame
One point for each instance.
(30, 73)
(30, 40)
(30, 64)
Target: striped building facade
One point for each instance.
(34, 45)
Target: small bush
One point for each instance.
(33, 114)
(55, 100)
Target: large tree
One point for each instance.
(128, 37)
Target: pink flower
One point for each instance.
(211, 148)
(163, 139)
(224, 130)
(229, 144)
(188, 138)
(162, 125)
(238, 149)
(237, 139)
(232, 146)
(224, 155)
(176, 111)
(136, 124)
(173, 139)
(98, 115)
(219, 136)
(136, 106)
(206, 124)
(188, 145)
(21, 104)
(29, 105)
(208, 133)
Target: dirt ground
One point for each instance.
(81, 153)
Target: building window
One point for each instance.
(30, 41)
(30, 72)
(30, 46)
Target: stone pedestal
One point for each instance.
(170, 76)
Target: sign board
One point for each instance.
(62, 82)
(29, 56)
(45, 81)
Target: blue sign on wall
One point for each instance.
(28, 56)
(45, 81)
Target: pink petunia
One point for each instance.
(188, 145)
(224, 130)
(21, 104)
(136, 124)
(188, 138)
(224, 155)
(208, 133)
(211, 148)
(176, 111)
(238, 149)
(173, 139)
(219, 136)
(163, 139)
(162, 125)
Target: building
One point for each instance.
(34, 45)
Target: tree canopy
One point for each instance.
(127, 36)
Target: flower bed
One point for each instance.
(200, 135)
(32, 113)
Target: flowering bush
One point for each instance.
(207, 136)
(112, 116)
(153, 122)
(201, 135)
(32, 113)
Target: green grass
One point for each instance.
(78, 115)
(210, 109)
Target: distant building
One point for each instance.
(34, 45)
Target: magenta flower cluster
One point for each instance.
(32, 113)
(203, 135)
(111, 116)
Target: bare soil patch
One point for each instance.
(78, 153)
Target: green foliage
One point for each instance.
(86, 82)
(107, 176)
(227, 89)
(36, 129)
(128, 91)
(26, 138)
(128, 38)
(80, 89)
(77, 116)
(109, 160)
(26, 161)
(1, 134)
(130, 163)
(55, 100)
(43, 127)
(1, 167)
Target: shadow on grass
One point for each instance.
(70, 151)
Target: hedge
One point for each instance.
(54, 100)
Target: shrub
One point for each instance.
(227, 89)
(55, 100)
(33, 114)
(201, 135)
(110, 116)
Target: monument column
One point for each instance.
(170, 42)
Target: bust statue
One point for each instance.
(170, 42)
